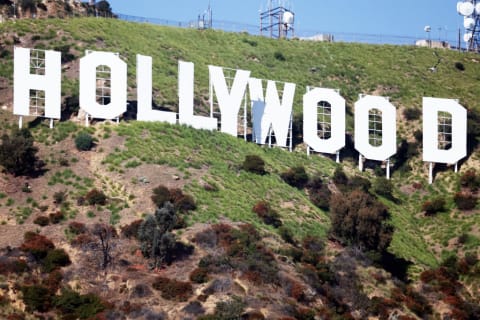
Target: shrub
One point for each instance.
(412, 113)
(56, 217)
(358, 182)
(312, 250)
(42, 221)
(319, 194)
(59, 197)
(433, 206)
(173, 289)
(77, 227)
(465, 201)
(94, 197)
(55, 258)
(8, 266)
(254, 164)
(267, 214)
(17, 152)
(131, 230)
(296, 177)
(459, 66)
(286, 234)
(37, 245)
(84, 141)
(37, 298)
(359, 219)
(383, 187)
(199, 275)
(470, 180)
(161, 194)
(182, 202)
(74, 305)
(230, 309)
(339, 177)
(279, 56)
(194, 308)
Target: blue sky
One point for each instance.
(386, 17)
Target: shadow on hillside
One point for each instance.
(132, 109)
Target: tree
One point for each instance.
(359, 219)
(155, 235)
(17, 152)
(105, 233)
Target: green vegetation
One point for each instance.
(211, 162)
(84, 141)
(17, 152)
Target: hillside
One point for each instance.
(132, 158)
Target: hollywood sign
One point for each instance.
(270, 113)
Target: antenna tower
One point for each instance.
(470, 10)
(277, 21)
(204, 20)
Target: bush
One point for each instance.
(17, 152)
(459, 66)
(77, 227)
(37, 298)
(412, 113)
(279, 56)
(433, 206)
(267, 214)
(199, 275)
(74, 305)
(37, 245)
(383, 187)
(296, 177)
(359, 219)
(56, 217)
(131, 230)
(470, 180)
(59, 197)
(84, 141)
(339, 177)
(161, 194)
(173, 289)
(94, 197)
(286, 234)
(55, 258)
(254, 164)
(319, 194)
(182, 202)
(465, 201)
(230, 309)
(42, 221)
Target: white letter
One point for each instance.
(144, 94)
(229, 102)
(185, 95)
(388, 128)
(337, 120)
(23, 81)
(272, 113)
(88, 85)
(458, 150)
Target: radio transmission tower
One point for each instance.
(470, 10)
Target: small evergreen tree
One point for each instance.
(84, 141)
(155, 235)
(17, 152)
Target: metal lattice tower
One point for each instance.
(277, 21)
(470, 10)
